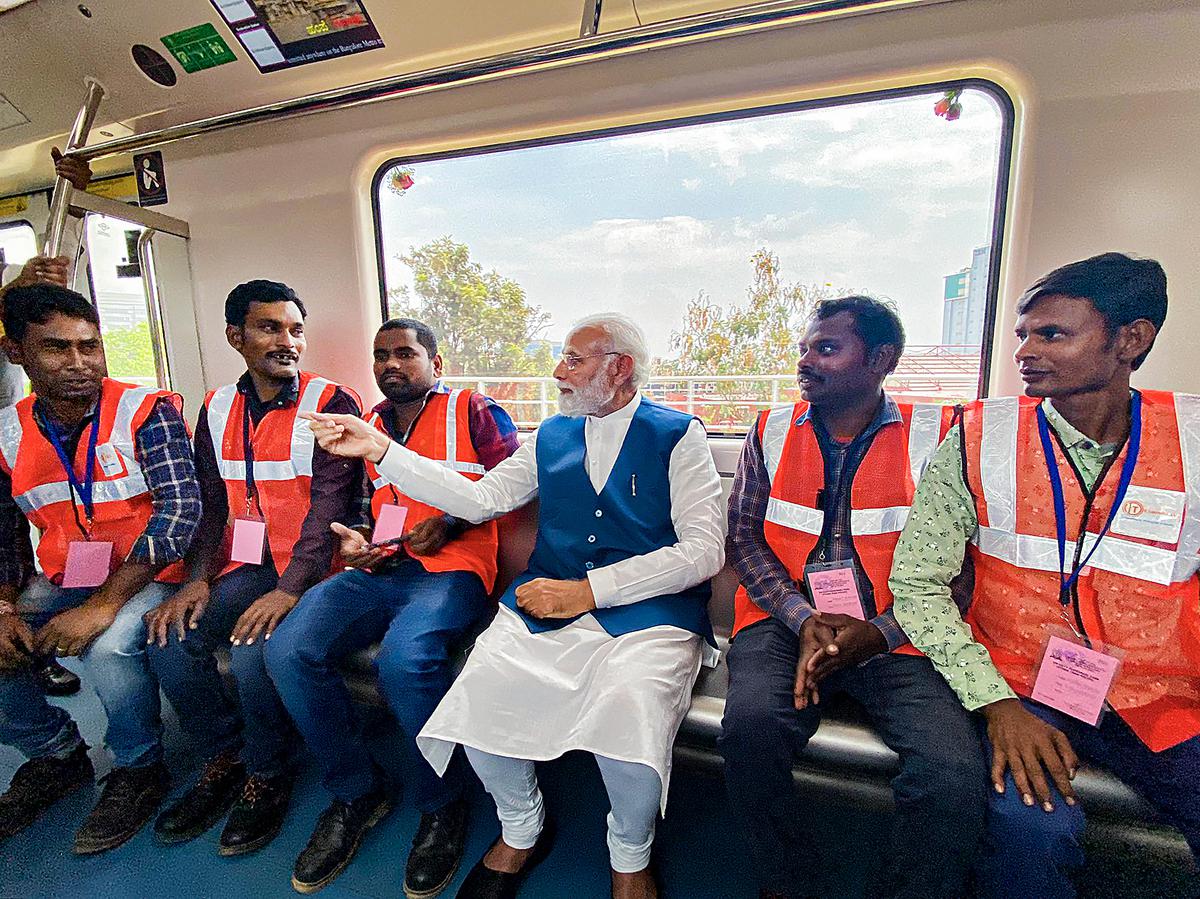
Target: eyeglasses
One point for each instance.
(572, 361)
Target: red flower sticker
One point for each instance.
(948, 107)
(401, 180)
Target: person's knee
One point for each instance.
(246, 661)
(124, 639)
(955, 785)
(405, 658)
(752, 728)
(1028, 831)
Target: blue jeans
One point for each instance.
(187, 670)
(114, 664)
(940, 790)
(419, 616)
(1029, 852)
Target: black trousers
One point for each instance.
(940, 792)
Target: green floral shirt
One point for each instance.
(930, 554)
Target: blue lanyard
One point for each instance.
(82, 488)
(1060, 506)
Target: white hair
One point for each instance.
(625, 336)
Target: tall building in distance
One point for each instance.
(964, 300)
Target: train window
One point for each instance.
(719, 235)
(18, 241)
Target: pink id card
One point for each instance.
(834, 589)
(88, 563)
(390, 523)
(1075, 679)
(249, 540)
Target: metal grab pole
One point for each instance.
(158, 337)
(591, 18)
(61, 198)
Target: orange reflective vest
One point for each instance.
(442, 432)
(880, 496)
(283, 455)
(1138, 593)
(122, 501)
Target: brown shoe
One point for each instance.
(130, 798)
(38, 784)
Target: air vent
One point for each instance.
(153, 66)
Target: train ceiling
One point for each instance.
(51, 45)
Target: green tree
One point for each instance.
(483, 321)
(756, 337)
(129, 352)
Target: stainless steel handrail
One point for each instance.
(61, 198)
(707, 26)
(591, 18)
(158, 337)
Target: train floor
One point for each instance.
(699, 852)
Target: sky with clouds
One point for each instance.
(883, 197)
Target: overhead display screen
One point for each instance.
(280, 34)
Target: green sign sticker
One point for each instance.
(199, 48)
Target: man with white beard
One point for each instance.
(596, 646)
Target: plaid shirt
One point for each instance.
(164, 452)
(758, 568)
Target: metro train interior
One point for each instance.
(500, 170)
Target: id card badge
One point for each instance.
(833, 588)
(110, 460)
(390, 523)
(249, 540)
(88, 563)
(1075, 679)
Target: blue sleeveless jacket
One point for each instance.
(579, 530)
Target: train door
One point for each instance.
(134, 266)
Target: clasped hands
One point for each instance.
(828, 643)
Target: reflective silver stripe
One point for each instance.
(218, 420)
(300, 461)
(923, 433)
(775, 433)
(452, 426)
(127, 406)
(10, 435)
(867, 522)
(134, 484)
(378, 481)
(998, 461)
(796, 517)
(303, 441)
(1116, 555)
(469, 467)
(1187, 417)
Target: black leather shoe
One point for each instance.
(335, 839)
(220, 783)
(57, 680)
(436, 851)
(38, 784)
(258, 814)
(130, 798)
(484, 883)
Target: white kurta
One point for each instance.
(536, 696)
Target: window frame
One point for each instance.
(998, 93)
